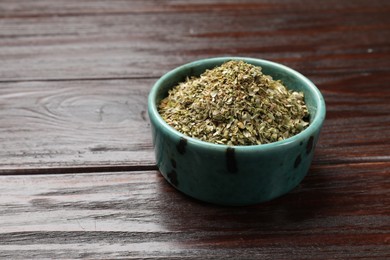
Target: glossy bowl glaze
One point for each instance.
(234, 175)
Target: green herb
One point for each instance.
(235, 104)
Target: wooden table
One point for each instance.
(78, 175)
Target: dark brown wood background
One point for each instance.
(77, 170)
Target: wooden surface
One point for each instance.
(77, 170)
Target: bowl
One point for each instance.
(234, 175)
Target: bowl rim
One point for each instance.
(314, 126)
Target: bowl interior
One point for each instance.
(291, 79)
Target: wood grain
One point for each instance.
(41, 41)
(77, 171)
(332, 214)
(24, 8)
(73, 124)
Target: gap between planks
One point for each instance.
(135, 168)
(76, 170)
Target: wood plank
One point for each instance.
(70, 124)
(357, 125)
(339, 211)
(25, 8)
(75, 123)
(338, 38)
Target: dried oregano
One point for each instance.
(235, 104)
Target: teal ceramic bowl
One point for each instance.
(234, 175)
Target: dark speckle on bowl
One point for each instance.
(297, 161)
(181, 147)
(172, 176)
(309, 145)
(173, 162)
(231, 160)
